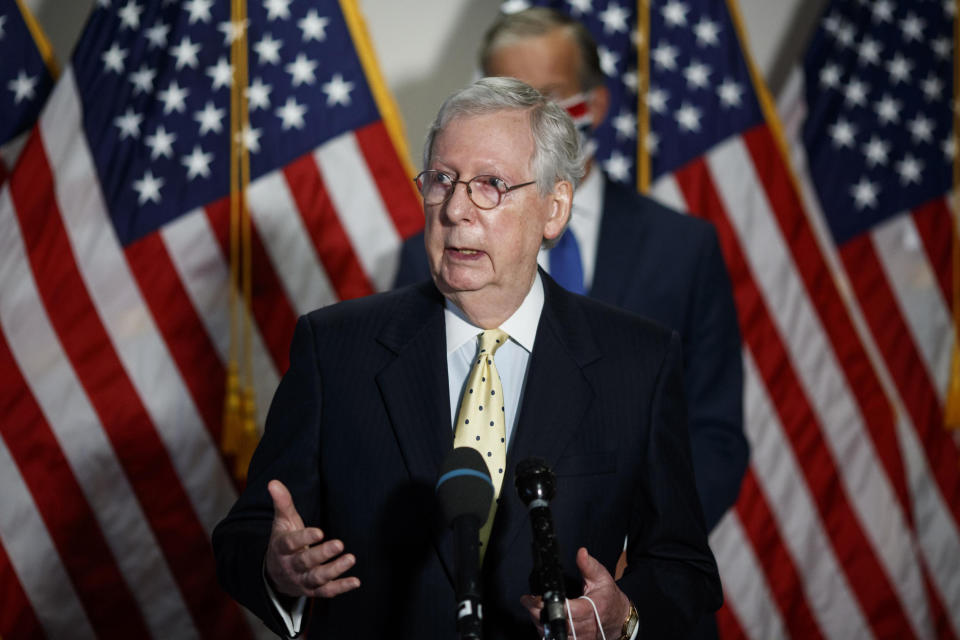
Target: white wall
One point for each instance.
(427, 48)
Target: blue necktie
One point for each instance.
(565, 264)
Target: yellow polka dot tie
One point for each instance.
(481, 421)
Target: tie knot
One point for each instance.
(491, 340)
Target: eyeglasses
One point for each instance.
(486, 192)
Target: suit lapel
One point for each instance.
(415, 391)
(614, 254)
(556, 397)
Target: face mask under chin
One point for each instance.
(578, 107)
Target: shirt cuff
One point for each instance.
(292, 618)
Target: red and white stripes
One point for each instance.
(899, 279)
(112, 361)
(842, 510)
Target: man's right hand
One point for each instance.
(299, 562)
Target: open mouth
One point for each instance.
(464, 252)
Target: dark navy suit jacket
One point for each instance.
(668, 267)
(360, 425)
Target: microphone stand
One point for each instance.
(469, 607)
(536, 486)
(465, 493)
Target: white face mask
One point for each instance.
(578, 107)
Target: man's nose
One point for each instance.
(459, 205)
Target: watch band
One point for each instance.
(630, 624)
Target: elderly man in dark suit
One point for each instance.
(627, 250)
(340, 507)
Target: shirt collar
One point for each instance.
(521, 326)
(588, 198)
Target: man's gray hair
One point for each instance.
(556, 156)
(509, 28)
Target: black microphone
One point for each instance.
(465, 492)
(536, 485)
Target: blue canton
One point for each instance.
(154, 79)
(878, 87)
(25, 80)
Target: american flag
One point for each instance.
(847, 520)
(26, 77)
(871, 127)
(114, 264)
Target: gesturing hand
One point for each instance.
(299, 562)
(612, 604)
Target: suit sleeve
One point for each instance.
(288, 451)
(713, 379)
(671, 575)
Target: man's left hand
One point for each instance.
(612, 604)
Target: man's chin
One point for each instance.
(460, 280)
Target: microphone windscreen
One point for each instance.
(535, 481)
(464, 486)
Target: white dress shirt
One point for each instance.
(584, 224)
(511, 358)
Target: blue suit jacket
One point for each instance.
(668, 267)
(360, 425)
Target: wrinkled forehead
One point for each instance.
(501, 133)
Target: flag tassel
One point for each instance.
(232, 424)
(249, 436)
(952, 412)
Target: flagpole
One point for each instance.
(230, 437)
(240, 434)
(951, 413)
(250, 434)
(387, 106)
(39, 39)
(643, 86)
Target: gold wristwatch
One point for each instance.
(630, 624)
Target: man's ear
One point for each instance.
(561, 204)
(598, 104)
